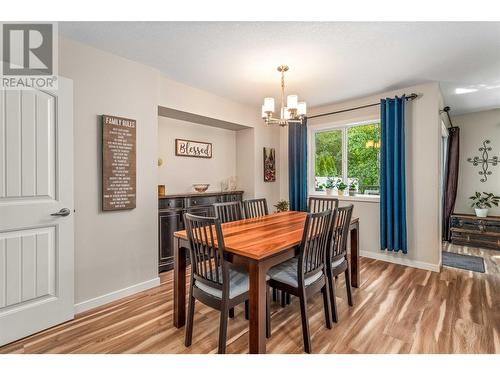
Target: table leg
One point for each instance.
(179, 284)
(257, 334)
(355, 255)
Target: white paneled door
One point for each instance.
(36, 210)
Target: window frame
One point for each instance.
(311, 150)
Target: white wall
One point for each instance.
(179, 173)
(474, 129)
(422, 149)
(116, 253)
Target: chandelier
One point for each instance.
(293, 113)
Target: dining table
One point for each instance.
(256, 244)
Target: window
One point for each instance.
(349, 154)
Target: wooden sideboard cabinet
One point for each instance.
(470, 230)
(171, 219)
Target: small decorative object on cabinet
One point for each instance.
(200, 188)
(232, 183)
(482, 202)
(170, 217)
(161, 190)
(470, 230)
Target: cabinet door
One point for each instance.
(169, 221)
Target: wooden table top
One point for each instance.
(264, 236)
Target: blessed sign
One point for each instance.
(118, 163)
(195, 149)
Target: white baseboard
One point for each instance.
(113, 296)
(398, 258)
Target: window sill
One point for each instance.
(354, 198)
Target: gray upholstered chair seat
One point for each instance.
(286, 273)
(238, 284)
(338, 262)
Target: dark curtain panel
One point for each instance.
(297, 166)
(451, 179)
(392, 175)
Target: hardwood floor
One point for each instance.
(396, 310)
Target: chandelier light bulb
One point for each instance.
(301, 108)
(292, 101)
(268, 105)
(286, 113)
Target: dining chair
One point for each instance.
(255, 208)
(318, 204)
(213, 281)
(228, 211)
(305, 275)
(337, 255)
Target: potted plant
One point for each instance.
(281, 205)
(353, 188)
(329, 186)
(341, 187)
(482, 202)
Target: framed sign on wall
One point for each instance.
(269, 164)
(194, 149)
(118, 163)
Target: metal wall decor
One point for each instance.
(484, 160)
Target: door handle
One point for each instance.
(62, 212)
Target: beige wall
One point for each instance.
(422, 149)
(179, 173)
(266, 136)
(116, 253)
(113, 250)
(474, 129)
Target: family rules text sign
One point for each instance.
(118, 163)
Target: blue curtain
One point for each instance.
(392, 175)
(297, 166)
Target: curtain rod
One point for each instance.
(447, 111)
(409, 97)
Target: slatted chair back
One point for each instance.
(319, 204)
(339, 233)
(206, 250)
(314, 243)
(229, 211)
(255, 208)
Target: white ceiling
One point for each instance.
(329, 62)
